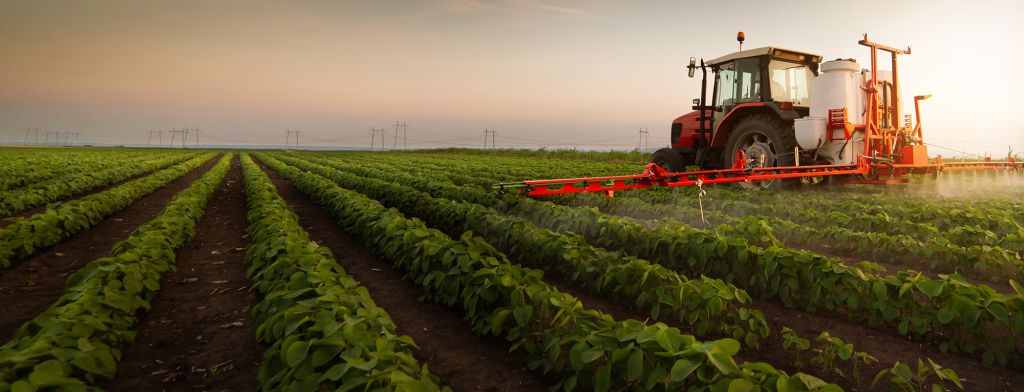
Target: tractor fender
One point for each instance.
(744, 109)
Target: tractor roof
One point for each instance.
(779, 53)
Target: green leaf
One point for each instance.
(22, 386)
(998, 311)
(49, 373)
(902, 371)
(635, 365)
(603, 378)
(945, 315)
(498, 320)
(523, 314)
(1016, 287)
(682, 369)
(729, 346)
(591, 355)
(741, 385)
(931, 288)
(296, 353)
(810, 381)
(723, 362)
(569, 384)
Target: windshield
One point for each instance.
(791, 82)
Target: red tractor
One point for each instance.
(778, 115)
(755, 97)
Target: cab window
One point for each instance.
(739, 81)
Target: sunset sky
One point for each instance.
(540, 72)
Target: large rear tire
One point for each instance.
(762, 134)
(669, 160)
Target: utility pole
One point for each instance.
(159, 137)
(373, 137)
(196, 130)
(288, 137)
(489, 134)
(404, 129)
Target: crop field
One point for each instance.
(180, 269)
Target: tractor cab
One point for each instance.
(760, 90)
(766, 75)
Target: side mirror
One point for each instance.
(692, 67)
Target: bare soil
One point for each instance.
(30, 286)
(462, 359)
(200, 333)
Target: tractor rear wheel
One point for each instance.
(669, 160)
(762, 135)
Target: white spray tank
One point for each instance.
(838, 85)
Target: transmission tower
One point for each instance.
(175, 132)
(30, 130)
(373, 137)
(489, 134)
(159, 138)
(643, 133)
(288, 138)
(405, 133)
(56, 138)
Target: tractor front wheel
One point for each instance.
(669, 160)
(762, 135)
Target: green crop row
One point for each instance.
(947, 216)
(35, 195)
(988, 262)
(958, 315)
(981, 261)
(825, 211)
(591, 350)
(708, 305)
(324, 330)
(78, 339)
(44, 165)
(24, 236)
(939, 214)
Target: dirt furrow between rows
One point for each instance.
(200, 333)
(446, 342)
(27, 288)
